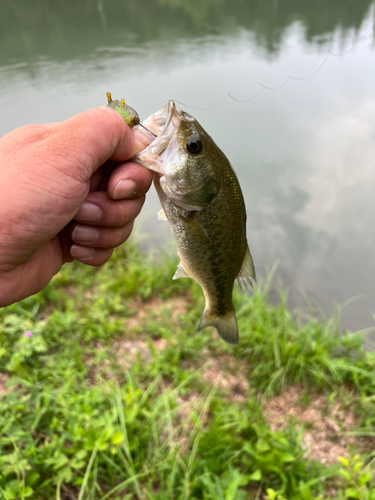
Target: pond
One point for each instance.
(286, 89)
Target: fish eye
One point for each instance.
(194, 145)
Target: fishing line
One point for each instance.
(315, 72)
(364, 34)
(187, 105)
(290, 77)
(344, 54)
(248, 100)
(156, 106)
(209, 107)
(140, 124)
(286, 81)
(275, 88)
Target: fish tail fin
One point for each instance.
(226, 325)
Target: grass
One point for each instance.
(115, 396)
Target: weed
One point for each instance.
(110, 393)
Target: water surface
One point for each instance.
(298, 124)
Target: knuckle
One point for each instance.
(124, 234)
(32, 134)
(122, 214)
(37, 131)
(99, 257)
(112, 238)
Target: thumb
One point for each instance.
(93, 137)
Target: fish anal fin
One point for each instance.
(246, 276)
(225, 325)
(180, 272)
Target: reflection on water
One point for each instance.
(304, 153)
(75, 28)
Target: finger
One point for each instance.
(91, 256)
(99, 237)
(100, 210)
(92, 137)
(129, 180)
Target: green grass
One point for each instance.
(82, 418)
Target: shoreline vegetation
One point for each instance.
(108, 392)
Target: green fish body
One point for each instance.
(203, 202)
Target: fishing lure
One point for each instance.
(127, 112)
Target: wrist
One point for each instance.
(10, 292)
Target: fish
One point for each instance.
(204, 205)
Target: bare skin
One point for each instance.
(64, 196)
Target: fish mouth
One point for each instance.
(160, 128)
(160, 121)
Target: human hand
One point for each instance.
(64, 196)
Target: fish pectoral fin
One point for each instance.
(246, 276)
(225, 325)
(195, 225)
(200, 226)
(180, 272)
(161, 215)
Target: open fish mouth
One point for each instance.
(159, 122)
(165, 155)
(159, 128)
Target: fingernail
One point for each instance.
(140, 137)
(89, 212)
(79, 252)
(84, 234)
(125, 188)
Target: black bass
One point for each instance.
(203, 202)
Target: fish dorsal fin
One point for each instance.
(247, 273)
(161, 215)
(180, 272)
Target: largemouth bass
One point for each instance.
(203, 202)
